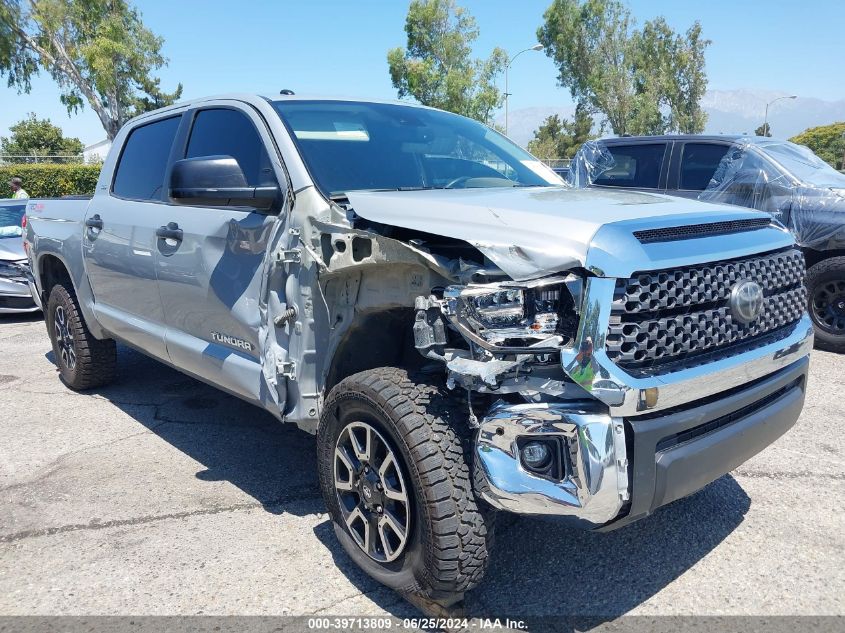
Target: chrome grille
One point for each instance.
(664, 316)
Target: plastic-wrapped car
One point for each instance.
(781, 178)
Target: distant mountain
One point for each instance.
(742, 111)
(728, 112)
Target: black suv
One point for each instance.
(784, 179)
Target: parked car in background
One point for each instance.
(784, 179)
(15, 290)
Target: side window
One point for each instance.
(140, 170)
(634, 166)
(223, 132)
(698, 164)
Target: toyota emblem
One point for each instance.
(746, 301)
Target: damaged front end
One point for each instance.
(544, 446)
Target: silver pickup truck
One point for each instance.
(463, 333)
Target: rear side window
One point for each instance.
(634, 166)
(698, 164)
(140, 171)
(224, 132)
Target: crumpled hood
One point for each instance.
(533, 231)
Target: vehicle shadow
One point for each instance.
(542, 569)
(538, 568)
(273, 463)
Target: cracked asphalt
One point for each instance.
(160, 495)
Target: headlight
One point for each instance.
(502, 312)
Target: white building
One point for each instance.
(97, 152)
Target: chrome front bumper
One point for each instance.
(595, 483)
(595, 488)
(617, 471)
(627, 395)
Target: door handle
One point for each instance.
(170, 232)
(95, 222)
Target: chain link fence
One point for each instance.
(37, 159)
(556, 163)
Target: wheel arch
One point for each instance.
(52, 268)
(375, 338)
(813, 257)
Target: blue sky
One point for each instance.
(338, 47)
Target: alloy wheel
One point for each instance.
(371, 492)
(64, 338)
(828, 306)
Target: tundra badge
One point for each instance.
(231, 341)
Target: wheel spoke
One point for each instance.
(344, 485)
(388, 522)
(389, 491)
(362, 451)
(354, 516)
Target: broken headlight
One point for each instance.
(507, 313)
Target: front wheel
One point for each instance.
(826, 290)
(394, 460)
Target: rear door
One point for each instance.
(693, 166)
(640, 166)
(119, 242)
(210, 280)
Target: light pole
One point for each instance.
(843, 153)
(766, 118)
(536, 47)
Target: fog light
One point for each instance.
(536, 455)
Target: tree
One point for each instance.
(38, 137)
(437, 69)
(827, 141)
(647, 81)
(97, 51)
(763, 130)
(560, 138)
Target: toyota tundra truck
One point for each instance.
(464, 333)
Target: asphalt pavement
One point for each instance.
(160, 495)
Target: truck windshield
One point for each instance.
(354, 146)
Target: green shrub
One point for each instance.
(51, 180)
(827, 141)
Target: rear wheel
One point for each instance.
(394, 459)
(84, 362)
(826, 289)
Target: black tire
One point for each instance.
(826, 303)
(83, 361)
(450, 533)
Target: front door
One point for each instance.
(210, 278)
(119, 238)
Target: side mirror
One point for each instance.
(217, 181)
